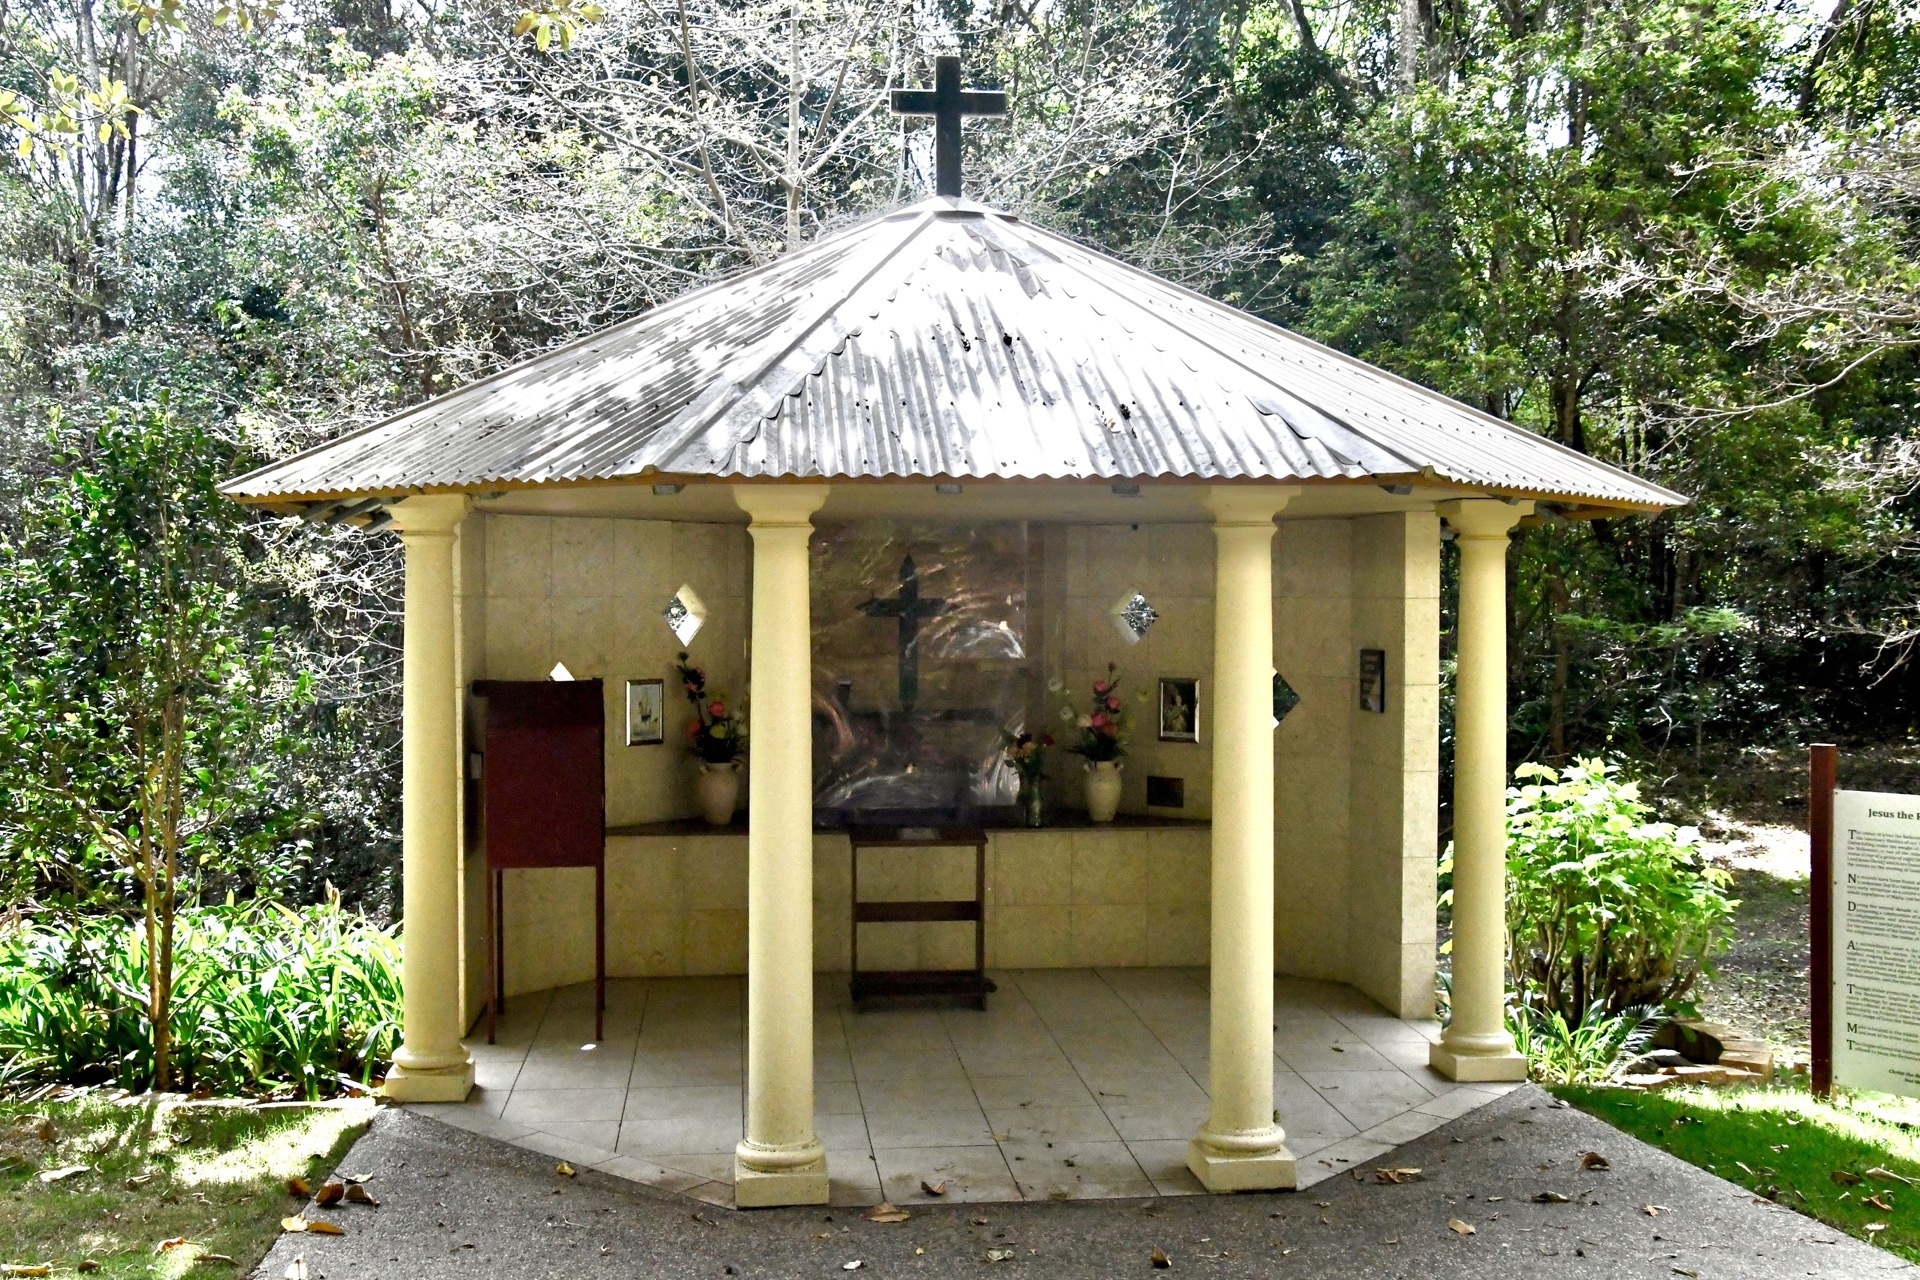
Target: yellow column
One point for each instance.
(1476, 1044)
(431, 1064)
(780, 1161)
(1240, 1147)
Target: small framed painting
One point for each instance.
(646, 712)
(1179, 709)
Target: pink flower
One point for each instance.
(1101, 686)
(693, 728)
(1113, 704)
(1099, 722)
(716, 709)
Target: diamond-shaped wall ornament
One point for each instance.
(1284, 698)
(685, 614)
(1132, 616)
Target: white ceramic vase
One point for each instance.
(719, 788)
(1103, 789)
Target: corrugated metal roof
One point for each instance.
(943, 340)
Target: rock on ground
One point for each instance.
(456, 1205)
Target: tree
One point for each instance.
(137, 731)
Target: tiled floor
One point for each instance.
(1074, 1083)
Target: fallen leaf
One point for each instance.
(564, 1169)
(351, 1178)
(885, 1212)
(299, 1186)
(933, 1188)
(357, 1193)
(139, 1180)
(297, 1269)
(214, 1257)
(332, 1191)
(1888, 1175)
(1549, 1197)
(978, 1222)
(1593, 1160)
(1160, 1260)
(1845, 1177)
(999, 1255)
(61, 1175)
(321, 1227)
(855, 1265)
(1395, 1176)
(44, 1130)
(26, 1269)
(1653, 1210)
(88, 1264)
(293, 1224)
(1682, 1271)
(1876, 1226)
(1880, 1202)
(1458, 1227)
(167, 1246)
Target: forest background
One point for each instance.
(1679, 235)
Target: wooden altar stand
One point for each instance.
(971, 985)
(544, 787)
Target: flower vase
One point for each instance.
(1103, 789)
(719, 788)
(1033, 810)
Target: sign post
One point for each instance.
(1821, 769)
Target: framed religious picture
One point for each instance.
(1179, 709)
(1373, 680)
(646, 712)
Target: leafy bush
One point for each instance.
(1585, 1051)
(266, 998)
(1606, 911)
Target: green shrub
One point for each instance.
(1607, 913)
(265, 999)
(1583, 1052)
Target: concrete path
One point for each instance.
(455, 1204)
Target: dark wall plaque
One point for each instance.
(1373, 680)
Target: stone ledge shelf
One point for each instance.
(1073, 894)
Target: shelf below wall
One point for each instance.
(989, 819)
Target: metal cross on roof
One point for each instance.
(948, 104)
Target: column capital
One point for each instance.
(1247, 504)
(776, 505)
(1484, 517)
(430, 513)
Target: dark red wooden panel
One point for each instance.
(544, 773)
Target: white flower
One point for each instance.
(1066, 715)
(1086, 722)
(1056, 684)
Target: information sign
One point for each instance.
(1876, 941)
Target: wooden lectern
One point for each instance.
(544, 788)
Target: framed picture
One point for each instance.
(646, 712)
(1179, 709)
(1373, 680)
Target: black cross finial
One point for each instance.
(948, 104)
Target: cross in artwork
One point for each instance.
(948, 104)
(909, 608)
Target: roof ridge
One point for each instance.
(709, 410)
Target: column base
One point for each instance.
(1224, 1171)
(772, 1188)
(446, 1084)
(1499, 1067)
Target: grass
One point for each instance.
(1784, 1144)
(158, 1170)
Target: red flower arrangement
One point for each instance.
(715, 733)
